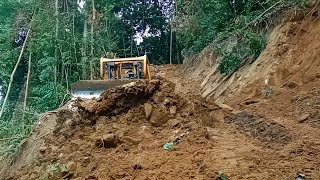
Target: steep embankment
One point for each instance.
(289, 61)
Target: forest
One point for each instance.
(64, 40)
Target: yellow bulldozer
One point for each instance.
(113, 72)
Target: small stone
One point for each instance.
(69, 122)
(212, 133)
(166, 101)
(157, 120)
(303, 117)
(148, 109)
(43, 149)
(72, 166)
(173, 109)
(62, 139)
(173, 123)
(158, 97)
(119, 133)
(86, 160)
(226, 107)
(292, 85)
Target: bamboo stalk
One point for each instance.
(55, 68)
(27, 87)
(13, 73)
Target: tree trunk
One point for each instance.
(171, 44)
(56, 45)
(27, 87)
(74, 42)
(92, 39)
(84, 49)
(13, 73)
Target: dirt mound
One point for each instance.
(122, 136)
(120, 99)
(258, 127)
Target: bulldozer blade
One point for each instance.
(88, 89)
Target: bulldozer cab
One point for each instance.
(113, 72)
(125, 68)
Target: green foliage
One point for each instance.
(12, 132)
(236, 28)
(249, 46)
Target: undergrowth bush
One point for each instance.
(14, 131)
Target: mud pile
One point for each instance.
(122, 136)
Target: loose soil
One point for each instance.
(258, 127)
(165, 129)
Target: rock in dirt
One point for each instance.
(173, 123)
(173, 109)
(148, 109)
(86, 161)
(71, 166)
(69, 122)
(225, 107)
(158, 118)
(303, 117)
(166, 101)
(292, 85)
(212, 133)
(158, 97)
(43, 149)
(107, 141)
